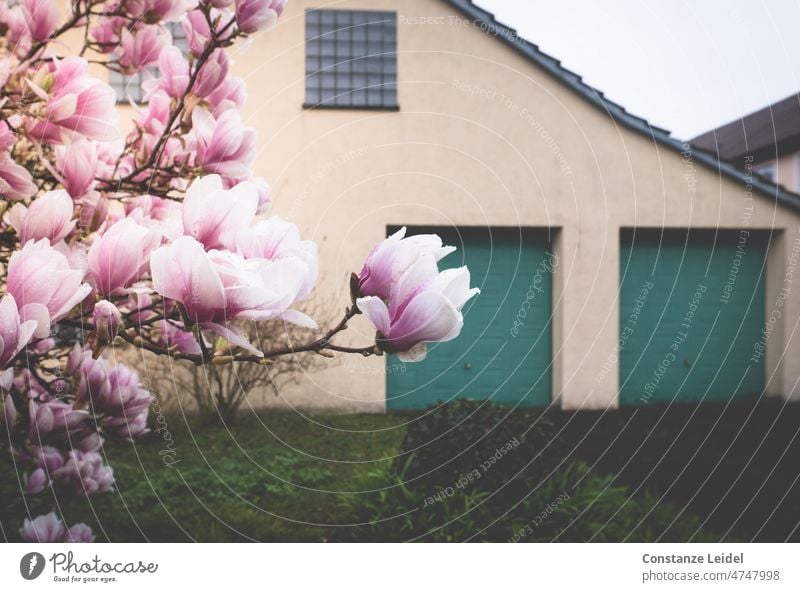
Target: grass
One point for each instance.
(283, 478)
(270, 478)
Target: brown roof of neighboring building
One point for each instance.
(765, 135)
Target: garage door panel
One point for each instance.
(701, 319)
(487, 361)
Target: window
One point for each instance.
(129, 88)
(351, 59)
(768, 171)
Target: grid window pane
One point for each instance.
(351, 58)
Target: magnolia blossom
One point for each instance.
(43, 529)
(49, 216)
(220, 286)
(79, 533)
(390, 259)
(214, 215)
(423, 304)
(15, 181)
(277, 239)
(174, 70)
(142, 47)
(254, 15)
(428, 312)
(17, 33)
(119, 256)
(157, 10)
(212, 73)
(174, 336)
(41, 17)
(44, 284)
(76, 103)
(224, 145)
(78, 163)
(84, 473)
(229, 95)
(52, 420)
(14, 334)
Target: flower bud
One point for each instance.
(107, 320)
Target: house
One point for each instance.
(768, 140)
(618, 265)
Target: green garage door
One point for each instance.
(504, 350)
(691, 313)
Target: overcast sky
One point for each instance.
(687, 66)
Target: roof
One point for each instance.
(617, 112)
(766, 134)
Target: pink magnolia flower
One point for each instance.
(84, 473)
(48, 458)
(224, 145)
(174, 336)
(107, 32)
(229, 94)
(153, 11)
(49, 216)
(127, 405)
(43, 529)
(36, 482)
(275, 239)
(219, 286)
(44, 284)
(264, 194)
(17, 34)
(93, 384)
(92, 210)
(142, 47)
(41, 17)
(254, 15)
(214, 215)
(77, 104)
(119, 256)
(198, 31)
(391, 258)
(174, 70)
(419, 313)
(78, 164)
(79, 533)
(7, 137)
(15, 181)
(54, 419)
(212, 73)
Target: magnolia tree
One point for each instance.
(161, 239)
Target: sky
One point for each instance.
(687, 66)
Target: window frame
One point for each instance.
(329, 61)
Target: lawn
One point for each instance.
(269, 478)
(627, 475)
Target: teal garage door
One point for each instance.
(504, 350)
(692, 309)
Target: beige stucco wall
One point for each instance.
(484, 138)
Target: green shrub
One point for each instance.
(502, 445)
